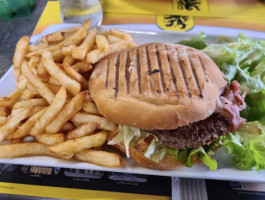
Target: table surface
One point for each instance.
(11, 30)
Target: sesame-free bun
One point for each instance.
(156, 86)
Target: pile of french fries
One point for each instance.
(51, 113)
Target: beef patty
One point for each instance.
(194, 135)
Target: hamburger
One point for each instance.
(171, 101)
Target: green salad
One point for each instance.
(242, 60)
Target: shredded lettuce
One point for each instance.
(126, 135)
(156, 150)
(247, 145)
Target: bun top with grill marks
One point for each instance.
(156, 86)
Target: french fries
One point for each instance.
(52, 105)
(70, 84)
(50, 139)
(23, 149)
(90, 108)
(102, 158)
(3, 120)
(76, 76)
(42, 89)
(53, 109)
(19, 55)
(84, 129)
(95, 55)
(11, 100)
(82, 118)
(31, 102)
(66, 113)
(13, 122)
(72, 146)
(81, 51)
(26, 127)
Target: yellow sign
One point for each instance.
(236, 9)
(191, 7)
(71, 193)
(175, 22)
(172, 7)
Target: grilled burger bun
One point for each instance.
(168, 90)
(156, 86)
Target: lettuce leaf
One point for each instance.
(247, 145)
(242, 60)
(185, 157)
(197, 41)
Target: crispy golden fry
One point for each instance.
(102, 43)
(38, 47)
(42, 72)
(70, 84)
(42, 89)
(76, 76)
(19, 55)
(10, 135)
(11, 100)
(50, 139)
(13, 122)
(31, 88)
(66, 113)
(54, 37)
(122, 35)
(67, 49)
(57, 55)
(81, 51)
(27, 149)
(53, 81)
(23, 149)
(83, 130)
(21, 83)
(75, 38)
(95, 55)
(35, 109)
(31, 102)
(53, 88)
(90, 108)
(3, 120)
(34, 61)
(81, 67)
(113, 39)
(72, 146)
(88, 98)
(2, 113)
(86, 24)
(68, 60)
(27, 94)
(15, 141)
(82, 118)
(43, 40)
(102, 158)
(67, 127)
(25, 128)
(53, 109)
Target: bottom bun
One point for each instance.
(137, 154)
